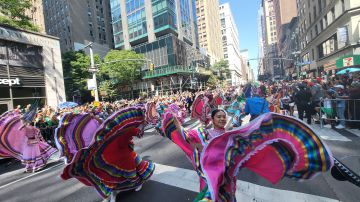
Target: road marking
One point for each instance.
(328, 133)
(21, 179)
(245, 191)
(354, 131)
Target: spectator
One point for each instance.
(340, 105)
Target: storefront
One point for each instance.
(30, 69)
(348, 61)
(330, 67)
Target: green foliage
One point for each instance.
(76, 72)
(14, 14)
(123, 65)
(222, 70)
(213, 81)
(108, 90)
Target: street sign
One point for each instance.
(91, 84)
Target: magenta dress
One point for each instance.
(272, 146)
(36, 152)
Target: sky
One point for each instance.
(245, 16)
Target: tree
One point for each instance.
(13, 14)
(76, 72)
(213, 81)
(107, 89)
(123, 66)
(221, 68)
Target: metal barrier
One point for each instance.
(330, 109)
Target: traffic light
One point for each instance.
(152, 66)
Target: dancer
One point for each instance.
(24, 142)
(273, 146)
(75, 131)
(110, 163)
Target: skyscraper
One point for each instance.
(208, 21)
(272, 66)
(165, 32)
(285, 10)
(79, 22)
(230, 44)
(36, 14)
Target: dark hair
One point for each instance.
(215, 111)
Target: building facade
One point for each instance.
(230, 44)
(30, 69)
(36, 14)
(328, 30)
(79, 22)
(271, 64)
(289, 46)
(165, 31)
(261, 43)
(285, 10)
(246, 65)
(208, 23)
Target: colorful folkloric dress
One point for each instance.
(75, 131)
(272, 145)
(23, 142)
(110, 162)
(201, 109)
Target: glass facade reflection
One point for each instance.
(164, 14)
(136, 18)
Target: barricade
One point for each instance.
(330, 109)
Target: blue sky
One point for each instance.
(245, 15)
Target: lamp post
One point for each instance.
(93, 69)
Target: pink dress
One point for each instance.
(23, 142)
(36, 152)
(272, 146)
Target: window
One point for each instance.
(342, 6)
(333, 14)
(325, 21)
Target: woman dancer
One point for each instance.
(272, 146)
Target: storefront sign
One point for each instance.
(348, 61)
(10, 82)
(330, 65)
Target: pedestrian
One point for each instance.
(256, 106)
(303, 102)
(340, 105)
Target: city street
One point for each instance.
(175, 181)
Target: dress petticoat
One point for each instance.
(110, 163)
(273, 146)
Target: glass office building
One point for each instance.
(165, 31)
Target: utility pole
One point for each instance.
(93, 70)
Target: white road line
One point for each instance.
(21, 179)
(354, 131)
(327, 133)
(245, 191)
